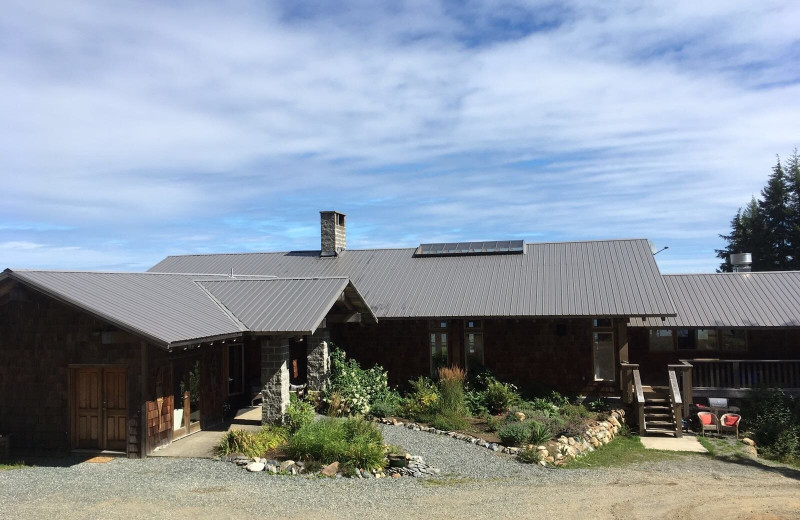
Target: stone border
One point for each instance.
(596, 435)
(415, 467)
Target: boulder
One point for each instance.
(331, 469)
(749, 441)
(255, 466)
(286, 464)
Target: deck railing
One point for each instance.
(745, 373)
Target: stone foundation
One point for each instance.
(275, 378)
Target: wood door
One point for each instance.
(115, 398)
(87, 404)
(100, 411)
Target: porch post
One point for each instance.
(275, 379)
(318, 363)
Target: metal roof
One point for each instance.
(170, 309)
(593, 278)
(732, 300)
(279, 304)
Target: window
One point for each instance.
(473, 343)
(706, 339)
(438, 337)
(661, 340)
(697, 339)
(603, 350)
(235, 369)
(733, 340)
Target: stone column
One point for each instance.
(275, 378)
(318, 363)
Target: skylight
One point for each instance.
(491, 247)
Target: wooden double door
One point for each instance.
(99, 408)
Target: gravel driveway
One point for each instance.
(476, 483)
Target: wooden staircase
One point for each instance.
(659, 409)
(659, 414)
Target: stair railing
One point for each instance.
(684, 372)
(626, 381)
(677, 402)
(637, 383)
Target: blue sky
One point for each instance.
(133, 131)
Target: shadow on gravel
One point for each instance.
(786, 471)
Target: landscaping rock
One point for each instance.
(749, 441)
(286, 464)
(255, 466)
(331, 469)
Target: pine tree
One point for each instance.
(792, 169)
(774, 209)
(747, 236)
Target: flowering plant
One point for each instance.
(356, 388)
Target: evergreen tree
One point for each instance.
(769, 228)
(774, 209)
(792, 170)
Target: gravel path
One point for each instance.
(477, 483)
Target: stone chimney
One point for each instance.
(332, 233)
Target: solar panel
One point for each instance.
(489, 247)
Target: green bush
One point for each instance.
(500, 396)
(353, 442)
(476, 402)
(493, 423)
(514, 434)
(529, 456)
(298, 414)
(252, 445)
(540, 433)
(774, 419)
(448, 421)
(356, 388)
(386, 405)
(422, 400)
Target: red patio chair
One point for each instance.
(730, 422)
(708, 422)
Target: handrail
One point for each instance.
(746, 373)
(637, 384)
(677, 403)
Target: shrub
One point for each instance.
(577, 411)
(298, 414)
(479, 378)
(529, 456)
(451, 391)
(356, 387)
(422, 400)
(493, 423)
(386, 405)
(543, 407)
(354, 442)
(500, 396)
(448, 421)
(514, 434)
(540, 433)
(774, 418)
(476, 402)
(252, 445)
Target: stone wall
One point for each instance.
(39, 339)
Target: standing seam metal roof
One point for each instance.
(180, 308)
(761, 299)
(594, 278)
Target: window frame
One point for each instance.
(438, 329)
(599, 327)
(477, 330)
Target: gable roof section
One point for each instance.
(594, 278)
(732, 300)
(175, 309)
(280, 305)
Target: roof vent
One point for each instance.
(493, 247)
(741, 262)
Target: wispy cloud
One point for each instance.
(208, 127)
